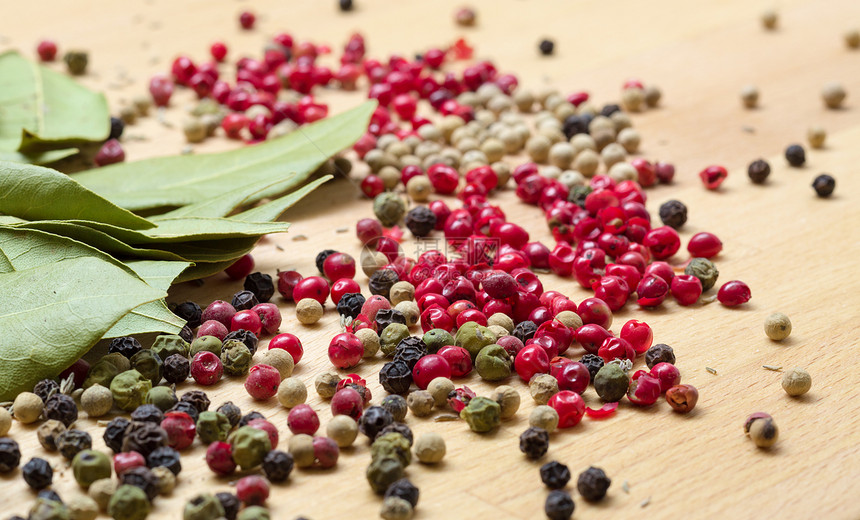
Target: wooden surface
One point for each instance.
(798, 253)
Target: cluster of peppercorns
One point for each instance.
(592, 485)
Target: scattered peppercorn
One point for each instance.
(373, 420)
(140, 477)
(833, 95)
(76, 62)
(542, 387)
(769, 19)
(704, 270)
(534, 442)
(89, 466)
(96, 401)
(796, 382)
(659, 353)
(350, 304)
(345, 5)
(816, 136)
(186, 407)
(230, 503)
(10, 455)
(395, 377)
(389, 208)
(115, 433)
(673, 213)
(546, 47)
(824, 185)
(144, 438)
(777, 326)
(749, 96)
(396, 508)
(46, 388)
(277, 465)
(250, 446)
(611, 383)
(761, 428)
(795, 155)
(165, 457)
(27, 407)
(147, 413)
(682, 398)
(554, 475)
(421, 221)
(37, 473)
(244, 300)
(381, 281)
(71, 442)
(559, 505)
(592, 484)
(128, 503)
(203, 507)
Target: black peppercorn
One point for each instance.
(559, 505)
(198, 398)
(250, 416)
(10, 455)
(37, 473)
(403, 489)
(546, 47)
(350, 304)
(576, 124)
(659, 353)
(126, 345)
(167, 457)
(49, 494)
(345, 5)
(592, 484)
(143, 478)
(395, 404)
(176, 369)
(245, 336)
(758, 171)
(185, 406)
(795, 155)
(421, 221)
(46, 388)
(190, 312)
(824, 185)
(609, 109)
(71, 442)
(524, 331)
(395, 377)
(230, 503)
(409, 354)
(186, 333)
(231, 411)
(385, 317)
(593, 363)
(144, 438)
(61, 407)
(261, 285)
(277, 465)
(534, 442)
(673, 213)
(116, 128)
(361, 389)
(115, 432)
(321, 256)
(412, 341)
(554, 475)
(577, 195)
(147, 413)
(374, 419)
(381, 281)
(244, 300)
(397, 427)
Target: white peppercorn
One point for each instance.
(280, 359)
(5, 421)
(524, 100)
(96, 401)
(571, 178)
(833, 95)
(612, 154)
(796, 382)
(623, 172)
(27, 407)
(343, 430)
(420, 403)
(429, 133)
(632, 98)
(561, 154)
(369, 340)
(550, 172)
(503, 172)
(502, 320)
(586, 162)
(852, 39)
(309, 311)
(165, 480)
(396, 508)
(749, 96)
(372, 261)
(570, 319)
(194, 130)
(419, 188)
(545, 417)
(508, 399)
(621, 120)
(439, 389)
(430, 448)
(82, 507)
(410, 311)
(769, 19)
(292, 392)
(538, 148)
(542, 387)
(652, 96)
(777, 326)
(630, 139)
(326, 384)
(816, 136)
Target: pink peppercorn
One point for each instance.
(561, 333)
(561, 259)
(596, 311)
(590, 336)
(252, 490)
(240, 268)
(339, 265)
(347, 401)
(663, 242)
(531, 359)
(246, 20)
(290, 343)
(704, 245)
(110, 153)
(570, 408)
(161, 89)
(127, 460)
(644, 390)
(219, 458)
(270, 317)
(429, 368)
(206, 368)
(661, 269)
(458, 359)
(511, 344)
(668, 375)
(325, 452)
(572, 376)
(218, 51)
(443, 178)
(287, 281)
(219, 311)
(713, 176)
(345, 350)
(368, 231)
(686, 289)
(665, 172)
(343, 286)
(303, 419)
(315, 287)
(180, 429)
(638, 334)
(233, 124)
(47, 50)
(616, 348)
(734, 293)
(651, 291)
(212, 328)
(613, 290)
(269, 428)
(373, 305)
(246, 319)
(262, 382)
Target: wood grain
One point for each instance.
(798, 253)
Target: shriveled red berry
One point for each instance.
(241, 268)
(303, 419)
(686, 289)
(682, 398)
(127, 460)
(572, 376)
(651, 291)
(252, 490)
(372, 186)
(287, 281)
(326, 452)
(531, 359)
(47, 50)
(570, 408)
(663, 242)
(644, 390)
(266, 426)
(713, 176)
(246, 20)
(613, 290)
(206, 368)
(638, 334)
(668, 375)
(590, 336)
(616, 348)
(734, 293)
(704, 245)
(219, 458)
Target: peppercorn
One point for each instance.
(389, 208)
(27, 407)
(261, 285)
(47, 509)
(816, 136)
(382, 472)
(395, 377)
(49, 494)
(71, 442)
(554, 475)
(430, 448)
(10, 455)
(190, 312)
(162, 397)
(165, 480)
(381, 281)
(128, 503)
(142, 478)
(165, 457)
(544, 417)
(48, 432)
(46, 388)
(187, 408)
(524, 330)
(101, 491)
(277, 465)
(611, 383)
(230, 503)
(824, 185)
(236, 358)
(534, 442)
(343, 430)
(207, 343)
(301, 447)
(38, 473)
(250, 446)
(203, 507)
(796, 381)
(400, 428)
(833, 95)
(546, 47)
(393, 444)
(410, 351)
(144, 438)
(673, 213)
(704, 270)
(795, 155)
(777, 326)
(396, 508)
(147, 413)
(115, 433)
(761, 428)
(369, 340)
(482, 414)
(168, 344)
(82, 507)
(493, 362)
(391, 337)
(254, 513)
(373, 420)
(129, 389)
(244, 300)
(420, 403)
(96, 401)
(62, 408)
(758, 171)
(404, 489)
(592, 484)
(749, 96)
(89, 466)
(345, 5)
(76, 61)
(421, 221)
(386, 317)
(659, 353)
(5, 421)
(308, 311)
(350, 304)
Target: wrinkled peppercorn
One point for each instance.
(198, 398)
(245, 336)
(176, 369)
(381, 281)
(758, 171)
(673, 213)
(126, 345)
(373, 420)
(559, 505)
(37, 473)
(189, 408)
(403, 489)
(186, 333)
(212, 426)
(659, 353)
(398, 427)
(48, 432)
(577, 195)
(71, 442)
(395, 377)
(89, 466)
(231, 411)
(230, 503)
(609, 109)
(385, 317)
(149, 364)
(202, 507)
(593, 363)
(128, 503)
(190, 312)
(144, 438)
(141, 477)
(824, 185)
(350, 304)
(46, 388)
(147, 413)
(554, 475)
(115, 433)
(382, 472)
(10, 455)
(261, 285)
(592, 484)
(236, 358)
(421, 221)
(345, 5)
(244, 300)
(61, 407)
(704, 270)
(396, 405)
(546, 47)
(576, 124)
(165, 456)
(534, 442)
(524, 331)
(795, 155)
(277, 465)
(321, 256)
(409, 354)
(250, 416)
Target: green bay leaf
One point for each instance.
(272, 210)
(40, 158)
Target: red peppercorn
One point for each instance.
(266, 426)
(561, 259)
(180, 429)
(219, 458)
(270, 317)
(638, 334)
(628, 273)
(262, 382)
(644, 390)
(572, 376)
(248, 320)
(531, 359)
(595, 310)
(435, 317)
(303, 419)
(252, 490)
(339, 265)
(127, 460)
(668, 375)
(212, 328)
(682, 398)
(651, 291)
(429, 368)
(206, 368)
(315, 287)
(663, 242)
(345, 350)
(47, 50)
(570, 408)
(287, 281)
(160, 88)
(347, 401)
(616, 348)
(704, 245)
(661, 269)
(443, 178)
(734, 293)
(665, 172)
(326, 452)
(290, 343)
(233, 124)
(591, 336)
(368, 231)
(560, 332)
(110, 153)
(458, 359)
(240, 268)
(613, 290)
(713, 176)
(343, 286)
(218, 51)
(686, 289)
(562, 303)
(246, 20)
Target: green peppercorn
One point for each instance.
(391, 336)
(46, 509)
(76, 62)
(250, 445)
(104, 370)
(382, 472)
(203, 507)
(392, 444)
(254, 513)
(236, 357)
(396, 406)
(96, 401)
(493, 363)
(162, 397)
(482, 414)
(704, 270)
(508, 399)
(169, 344)
(474, 337)
(611, 383)
(128, 503)
(82, 507)
(212, 426)
(207, 343)
(436, 339)
(149, 364)
(389, 208)
(89, 466)
(129, 390)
